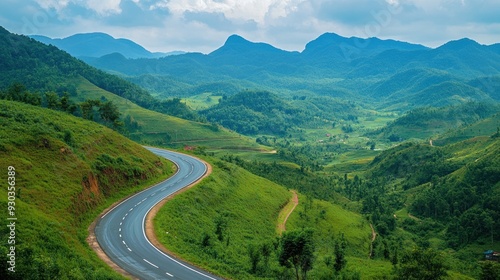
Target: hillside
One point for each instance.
(216, 223)
(67, 170)
(233, 212)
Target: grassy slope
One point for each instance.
(156, 128)
(252, 205)
(329, 222)
(60, 190)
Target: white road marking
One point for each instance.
(129, 249)
(120, 236)
(150, 263)
(120, 229)
(131, 209)
(169, 274)
(124, 242)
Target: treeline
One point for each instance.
(101, 111)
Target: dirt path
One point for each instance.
(286, 212)
(374, 236)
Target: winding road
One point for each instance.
(121, 231)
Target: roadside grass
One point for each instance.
(243, 206)
(60, 190)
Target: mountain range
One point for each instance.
(382, 72)
(99, 44)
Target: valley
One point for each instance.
(392, 153)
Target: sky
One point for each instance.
(204, 25)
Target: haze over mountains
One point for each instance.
(98, 44)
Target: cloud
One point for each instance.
(101, 7)
(204, 25)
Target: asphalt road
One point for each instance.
(121, 233)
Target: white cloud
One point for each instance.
(101, 7)
(237, 10)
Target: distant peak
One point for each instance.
(93, 35)
(236, 39)
(460, 43)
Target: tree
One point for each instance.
(52, 100)
(254, 255)
(297, 251)
(490, 271)
(421, 264)
(109, 112)
(340, 260)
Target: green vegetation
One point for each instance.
(67, 170)
(222, 222)
(429, 122)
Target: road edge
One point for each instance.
(149, 225)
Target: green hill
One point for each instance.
(233, 212)
(251, 112)
(67, 170)
(428, 122)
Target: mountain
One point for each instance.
(99, 44)
(237, 49)
(384, 72)
(333, 46)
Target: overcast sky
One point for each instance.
(204, 25)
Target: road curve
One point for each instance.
(121, 231)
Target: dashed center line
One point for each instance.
(150, 263)
(169, 274)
